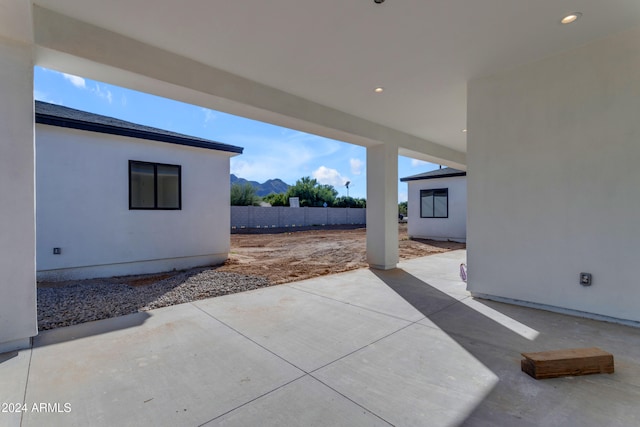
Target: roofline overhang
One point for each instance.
(47, 119)
(420, 178)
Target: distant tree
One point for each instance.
(311, 193)
(274, 199)
(350, 202)
(244, 195)
(403, 208)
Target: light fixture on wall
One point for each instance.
(572, 17)
(379, 89)
(464, 131)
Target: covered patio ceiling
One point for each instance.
(334, 53)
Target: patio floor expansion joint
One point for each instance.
(362, 348)
(254, 399)
(26, 382)
(351, 304)
(246, 337)
(351, 400)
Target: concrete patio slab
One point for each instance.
(304, 402)
(363, 289)
(418, 376)
(307, 330)
(496, 334)
(444, 266)
(14, 372)
(230, 360)
(181, 367)
(453, 288)
(423, 297)
(554, 331)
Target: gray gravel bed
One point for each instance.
(95, 299)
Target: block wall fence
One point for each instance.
(282, 216)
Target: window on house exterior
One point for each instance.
(154, 186)
(434, 203)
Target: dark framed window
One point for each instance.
(434, 203)
(154, 186)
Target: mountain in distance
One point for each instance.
(267, 187)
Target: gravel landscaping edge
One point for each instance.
(96, 299)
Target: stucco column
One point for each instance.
(17, 199)
(382, 206)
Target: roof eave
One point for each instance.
(420, 178)
(48, 119)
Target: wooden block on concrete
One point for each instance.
(570, 362)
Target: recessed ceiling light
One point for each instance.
(379, 89)
(464, 131)
(572, 17)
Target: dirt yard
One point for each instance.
(262, 258)
(288, 257)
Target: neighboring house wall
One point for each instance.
(554, 180)
(82, 192)
(452, 228)
(280, 216)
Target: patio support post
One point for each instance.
(382, 206)
(17, 197)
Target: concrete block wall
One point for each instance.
(341, 216)
(317, 216)
(291, 216)
(279, 216)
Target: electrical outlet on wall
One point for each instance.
(585, 279)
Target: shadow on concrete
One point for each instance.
(479, 327)
(464, 324)
(7, 356)
(84, 330)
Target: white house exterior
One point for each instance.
(551, 112)
(437, 205)
(97, 179)
(554, 181)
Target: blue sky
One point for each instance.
(269, 151)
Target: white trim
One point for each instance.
(133, 267)
(555, 309)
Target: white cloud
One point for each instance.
(103, 93)
(43, 96)
(402, 197)
(78, 82)
(356, 166)
(415, 163)
(209, 115)
(325, 175)
(254, 171)
(285, 155)
(100, 91)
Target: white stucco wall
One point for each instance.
(17, 232)
(554, 180)
(82, 193)
(382, 206)
(452, 228)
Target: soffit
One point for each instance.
(335, 52)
